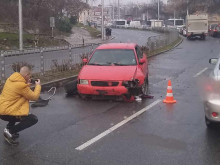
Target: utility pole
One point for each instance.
(147, 14)
(103, 37)
(113, 9)
(147, 10)
(187, 10)
(20, 25)
(118, 9)
(174, 16)
(158, 9)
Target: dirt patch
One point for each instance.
(80, 35)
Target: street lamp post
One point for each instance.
(118, 9)
(103, 20)
(158, 9)
(113, 14)
(187, 10)
(20, 25)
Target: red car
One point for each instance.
(119, 69)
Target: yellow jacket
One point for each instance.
(15, 96)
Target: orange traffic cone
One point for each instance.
(169, 97)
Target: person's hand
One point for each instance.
(37, 82)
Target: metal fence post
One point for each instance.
(42, 62)
(2, 67)
(148, 43)
(92, 48)
(164, 42)
(70, 58)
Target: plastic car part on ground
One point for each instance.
(43, 102)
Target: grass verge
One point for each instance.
(54, 75)
(93, 31)
(10, 41)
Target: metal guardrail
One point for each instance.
(161, 41)
(43, 59)
(167, 37)
(48, 49)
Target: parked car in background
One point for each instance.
(175, 24)
(212, 95)
(214, 30)
(114, 69)
(181, 29)
(184, 31)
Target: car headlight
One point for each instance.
(84, 82)
(131, 83)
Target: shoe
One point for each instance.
(15, 135)
(9, 137)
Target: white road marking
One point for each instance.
(103, 134)
(199, 73)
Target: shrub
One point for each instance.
(73, 20)
(17, 66)
(64, 25)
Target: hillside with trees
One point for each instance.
(37, 13)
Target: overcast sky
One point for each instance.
(96, 2)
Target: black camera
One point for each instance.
(33, 81)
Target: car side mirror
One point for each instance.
(213, 61)
(142, 61)
(85, 60)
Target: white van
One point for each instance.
(135, 24)
(122, 23)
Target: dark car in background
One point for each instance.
(214, 30)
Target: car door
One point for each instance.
(141, 55)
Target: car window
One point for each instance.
(139, 52)
(113, 57)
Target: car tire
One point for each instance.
(203, 37)
(84, 96)
(71, 88)
(145, 86)
(209, 124)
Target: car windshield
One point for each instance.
(113, 57)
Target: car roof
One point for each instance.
(117, 46)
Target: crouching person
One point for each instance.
(14, 104)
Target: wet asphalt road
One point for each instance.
(165, 134)
(132, 36)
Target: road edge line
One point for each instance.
(103, 134)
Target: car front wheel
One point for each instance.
(145, 86)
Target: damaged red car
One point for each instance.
(114, 69)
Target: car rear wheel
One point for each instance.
(208, 123)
